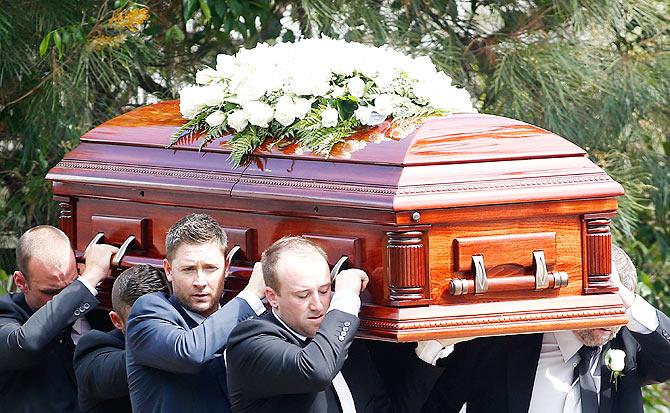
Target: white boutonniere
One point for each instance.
(615, 361)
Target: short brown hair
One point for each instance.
(44, 241)
(134, 283)
(194, 229)
(273, 254)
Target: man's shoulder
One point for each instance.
(263, 324)
(96, 339)
(157, 302)
(10, 307)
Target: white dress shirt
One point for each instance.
(555, 390)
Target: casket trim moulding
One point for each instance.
(504, 184)
(379, 190)
(371, 324)
(473, 325)
(152, 171)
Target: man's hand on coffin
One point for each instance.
(353, 280)
(431, 351)
(627, 296)
(256, 283)
(98, 261)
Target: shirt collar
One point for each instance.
(195, 316)
(301, 337)
(568, 343)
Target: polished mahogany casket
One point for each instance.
(468, 224)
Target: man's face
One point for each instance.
(596, 337)
(304, 296)
(46, 280)
(197, 273)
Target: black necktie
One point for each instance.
(587, 385)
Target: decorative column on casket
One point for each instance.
(598, 254)
(67, 212)
(407, 267)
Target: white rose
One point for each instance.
(285, 110)
(329, 117)
(250, 90)
(337, 92)
(356, 86)
(616, 359)
(238, 120)
(215, 118)
(384, 78)
(225, 65)
(363, 114)
(206, 76)
(189, 101)
(425, 90)
(213, 95)
(259, 113)
(384, 105)
(302, 107)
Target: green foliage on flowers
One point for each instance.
(596, 72)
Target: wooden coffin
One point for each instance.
(468, 225)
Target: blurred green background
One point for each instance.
(595, 72)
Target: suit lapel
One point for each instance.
(295, 339)
(191, 323)
(522, 359)
(606, 390)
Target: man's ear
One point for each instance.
(20, 281)
(168, 269)
(117, 320)
(271, 295)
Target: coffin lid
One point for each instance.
(457, 160)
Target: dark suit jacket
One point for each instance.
(36, 373)
(175, 364)
(497, 374)
(100, 368)
(271, 370)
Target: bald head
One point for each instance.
(297, 247)
(49, 244)
(46, 264)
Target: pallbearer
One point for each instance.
(175, 343)
(302, 356)
(100, 357)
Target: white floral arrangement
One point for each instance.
(314, 91)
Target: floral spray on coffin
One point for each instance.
(315, 93)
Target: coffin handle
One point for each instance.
(342, 262)
(481, 281)
(541, 273)
(116, 261)
(96, 240)
(541, 280)
(232, 254)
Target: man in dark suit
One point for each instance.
(100, 357)
(40, 325)
(570, 371)
(174, 344)
(302, 357)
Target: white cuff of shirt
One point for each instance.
(88, 286)
(253, 301)
(346, 301)
(431, 351)
(642, 317)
